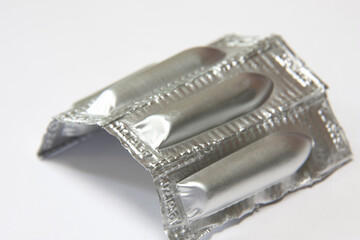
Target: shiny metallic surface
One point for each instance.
(75, 129)
(245, 172)
(206, 109)
(138, 85)
(223, 129)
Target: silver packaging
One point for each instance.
(223, 129)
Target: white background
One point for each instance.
(53, 53)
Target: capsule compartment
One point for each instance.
(143, 83)
(243, 173)
(205, 109)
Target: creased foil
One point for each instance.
(224, 129)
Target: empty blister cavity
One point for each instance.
(138, 85)
(243, 173)
(206, 109)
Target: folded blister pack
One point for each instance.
(223, 129)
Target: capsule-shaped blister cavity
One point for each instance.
(206, 109)
(140, 84)
(199, 101)
(243, 173)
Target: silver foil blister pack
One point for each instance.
(223, 129)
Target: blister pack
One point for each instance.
(223, 129)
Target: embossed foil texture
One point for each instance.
(223, 129)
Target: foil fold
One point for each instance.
(224, 129)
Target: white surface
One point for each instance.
(55, 52)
